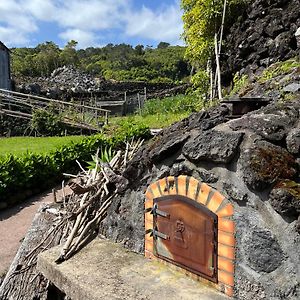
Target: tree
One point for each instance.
(139, 49)
(69, 54)
(47, 58)
(202, 19)
(163, 45)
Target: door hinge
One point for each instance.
(155, 233)
(156, 212)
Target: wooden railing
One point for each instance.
(21, 105)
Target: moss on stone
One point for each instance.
(271, 165)
(290, 186)
(280, 68)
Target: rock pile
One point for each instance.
(68, 82)
(62, 80)
(265, 34)
(254, 161)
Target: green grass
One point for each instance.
(160, 113)
(158, 120)
(37, 145)
(279, 68)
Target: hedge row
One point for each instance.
(22, 176)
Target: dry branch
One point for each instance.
(76, 218)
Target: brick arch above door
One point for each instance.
(212, 200)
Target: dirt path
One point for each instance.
(14, 223)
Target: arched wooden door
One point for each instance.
(185, 233)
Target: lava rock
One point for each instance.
(215, 146)
(249, 288)
(207, 176)
(292, 88)
(286, 199)
(274, 28)
(272, 127)
(298, 225)
(297, 35)
(263, 252)
(163, 172)
(137, 166)
(293, 141)
(263, 164)
(235, 193)
(167, 145)
(205, 120)
(116, 225)
(181, 169)
(265, 29)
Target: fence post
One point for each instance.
(139, 102)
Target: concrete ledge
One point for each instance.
(105, 270)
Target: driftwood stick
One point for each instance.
(80, 166)
(103, 209)
(89, 202)
(126, 154)
(75, 228)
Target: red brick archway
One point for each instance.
(214, 202)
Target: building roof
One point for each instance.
(3, 47)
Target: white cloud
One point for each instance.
(92, 14)
(163, 25)
(13, 37)
(84, 38)
(15, 24)
(87, 21)
(44, 10)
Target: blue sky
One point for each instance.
(26, 23)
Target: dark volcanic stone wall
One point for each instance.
(264, 34)
(254, 161)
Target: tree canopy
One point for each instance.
(121, 62)
(202, 22)
(202, 19)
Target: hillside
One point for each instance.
(113, 62)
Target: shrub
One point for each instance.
(29, 171)
(47, 123)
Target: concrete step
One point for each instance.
(105, 270)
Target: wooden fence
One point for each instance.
(21, 105)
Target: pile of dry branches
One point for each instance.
(77, 216)
(93, 192)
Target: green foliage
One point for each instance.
(202, 20)
(239, 83)
(19, 173)
(106, 155)
(128, 128)
(68, 55)
(119, 62)
(280, 68)
(200, 82)
(173, 105)
(47, 123)
(159, 113)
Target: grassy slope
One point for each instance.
(159, 113)
(40, 145)
(158, 120)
